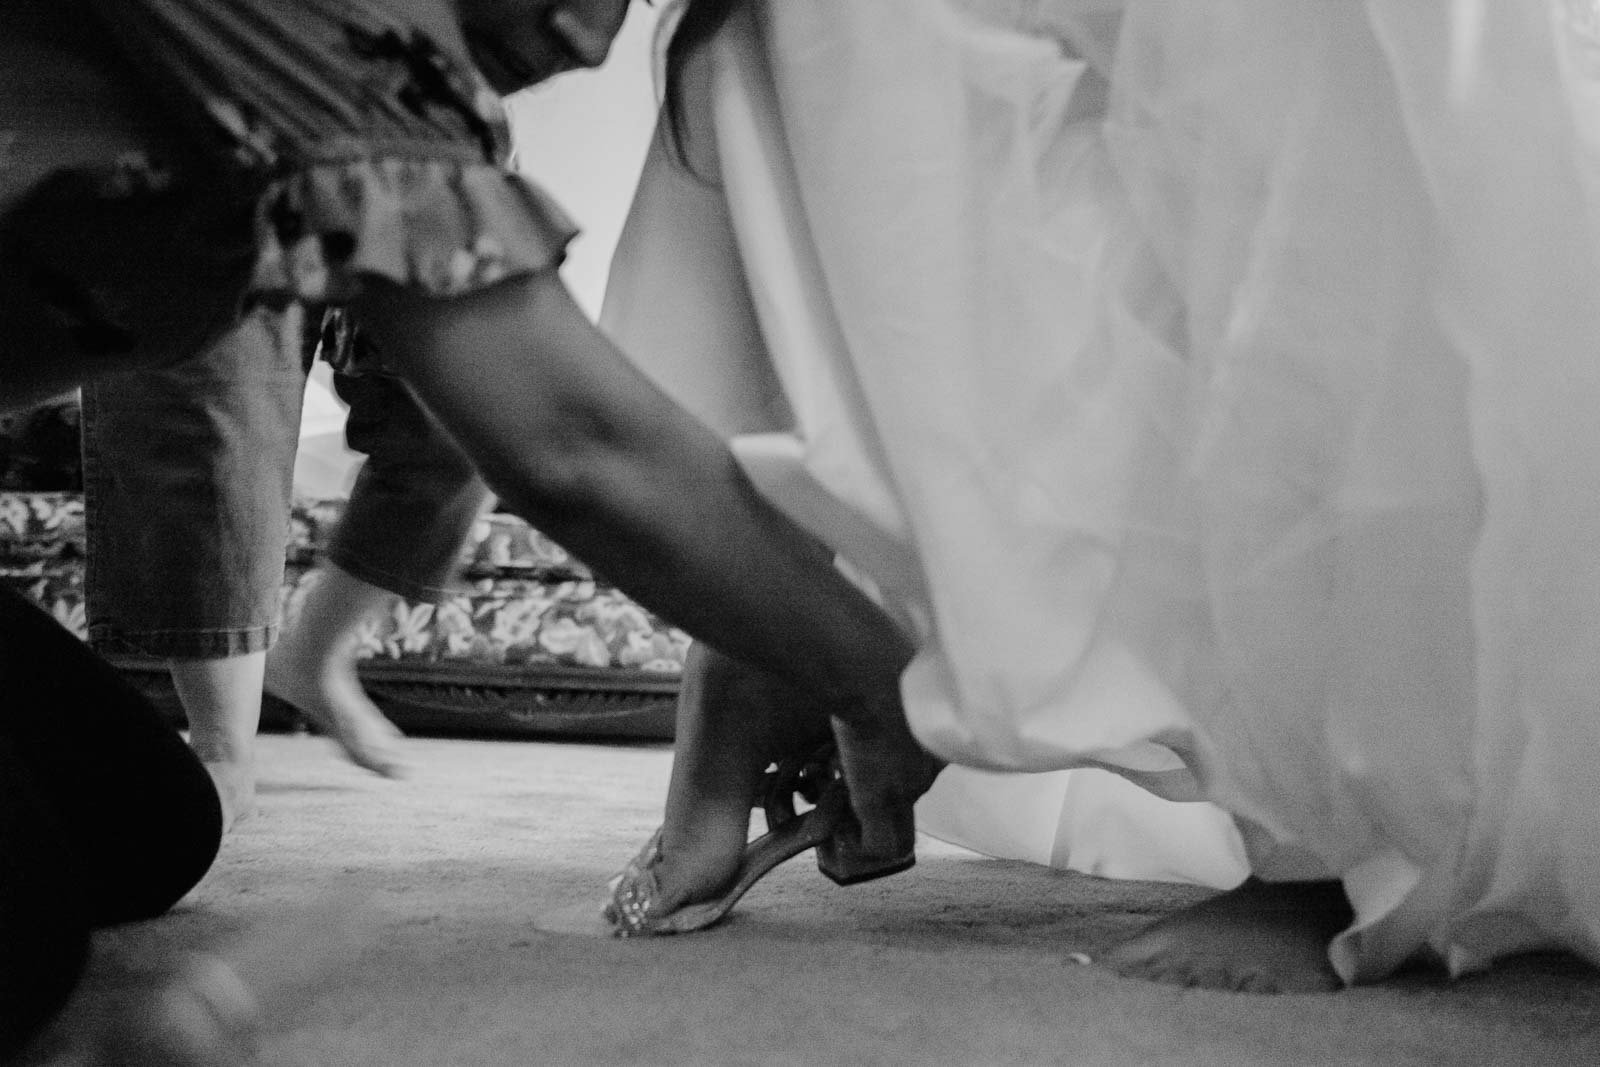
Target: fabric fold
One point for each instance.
(377, 146)
(442, 226)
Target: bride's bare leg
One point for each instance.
(1261, 937)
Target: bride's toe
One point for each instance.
(635, 892)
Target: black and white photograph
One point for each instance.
(980, 533)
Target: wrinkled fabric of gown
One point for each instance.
(681, 299)
(1212, 390)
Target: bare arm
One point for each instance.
(574, 439)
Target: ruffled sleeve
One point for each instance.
(446, 227)
(377, 142)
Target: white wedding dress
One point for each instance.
(1213, 390)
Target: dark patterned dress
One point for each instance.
(165, 162)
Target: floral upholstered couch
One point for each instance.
(531, 643)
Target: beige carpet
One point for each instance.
(483, 875)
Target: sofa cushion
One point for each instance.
(529, 642)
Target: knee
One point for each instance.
(164, 858)
(44, 963)
(167, 877)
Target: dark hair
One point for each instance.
(696, 23)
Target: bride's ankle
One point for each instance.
(698, 860)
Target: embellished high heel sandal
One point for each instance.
(828, 826)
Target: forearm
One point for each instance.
(681, 529)
(573, 438)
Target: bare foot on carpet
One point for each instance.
(322, 684)
(1260, 937)
(733, 723)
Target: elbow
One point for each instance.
(569, 478)
(549, 487)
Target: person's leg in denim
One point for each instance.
(187, 480)
(410, 509)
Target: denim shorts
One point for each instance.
(188, 474)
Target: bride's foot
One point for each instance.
(635, 893)
(324, 687)
(733, 722)
(1261, 937)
